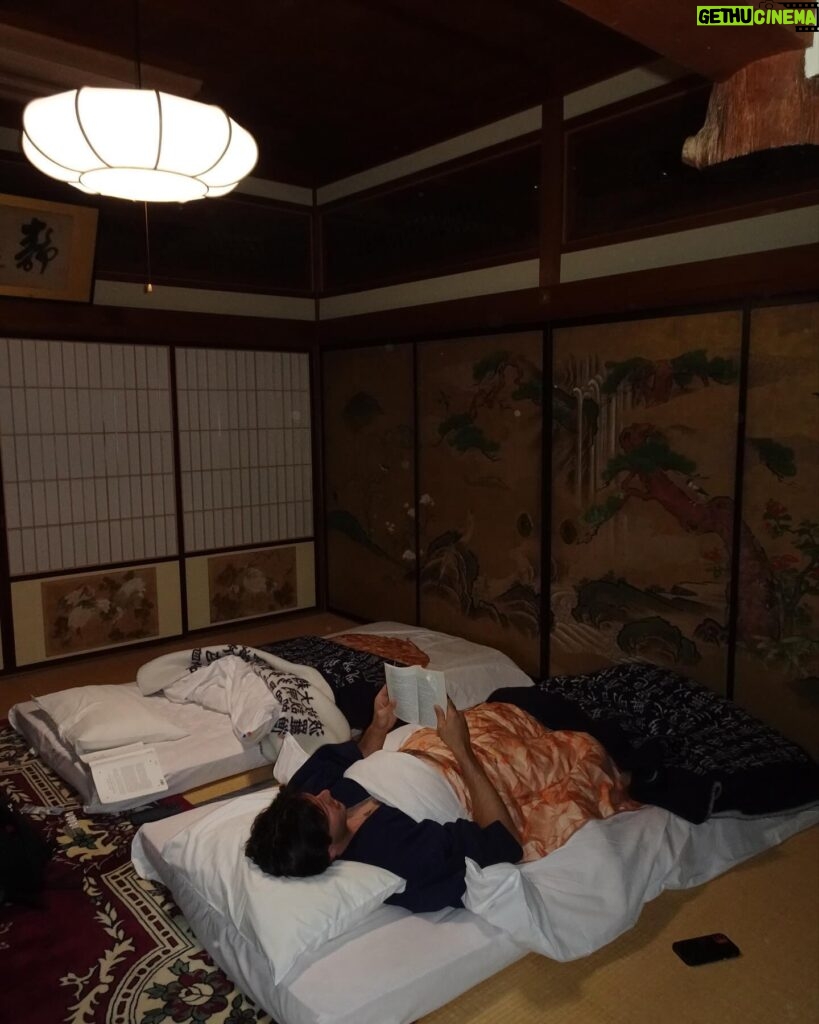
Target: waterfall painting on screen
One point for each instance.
(644, 430)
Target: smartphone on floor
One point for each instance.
(705, 949)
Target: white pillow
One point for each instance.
(410, 783)
(90, 718)
(472, 670)
(281, 917)
(401, 780)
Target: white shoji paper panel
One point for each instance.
(87, 454)
(244, 447)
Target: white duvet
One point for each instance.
(395, 966)
(585, 894)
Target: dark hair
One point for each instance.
(290, 837)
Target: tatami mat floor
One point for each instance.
(768, 906)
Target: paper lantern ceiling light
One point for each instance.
(138, 144)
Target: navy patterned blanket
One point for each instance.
(689, 749)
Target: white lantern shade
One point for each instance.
(137, 144)
(194, 136)
(123, 126)
(228, 171)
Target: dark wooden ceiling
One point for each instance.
(331, 87)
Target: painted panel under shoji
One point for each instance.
(71, 614)
(235, 585)
(84, 428)
(235, 408)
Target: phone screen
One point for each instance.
(705, 949)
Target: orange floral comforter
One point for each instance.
(393, 647)
(551, 782)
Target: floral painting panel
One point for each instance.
(644, 427)
(479, 509)
(244, 584)
(369, 451)
(777, 675)
(100, 610)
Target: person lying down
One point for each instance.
(524, 789)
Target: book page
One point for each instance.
(124, 776)
(403, 689)
(431, 691)
(416, 691)
(112, 753)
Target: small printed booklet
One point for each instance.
(416, 691)
(124, 773)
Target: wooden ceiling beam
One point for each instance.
(671, 29)
(33, 64)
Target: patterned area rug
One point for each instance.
(104, 946)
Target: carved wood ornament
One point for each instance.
(761, 98)
(766, 105)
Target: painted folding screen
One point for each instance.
(778, 624)
(479, 482)
(369, 452)
(644, 433)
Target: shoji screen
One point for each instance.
(99, 554)
(87, 460)
(246, 471)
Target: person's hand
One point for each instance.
(383, 711)
(452, 728)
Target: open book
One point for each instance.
(126, 772)
(416, 691)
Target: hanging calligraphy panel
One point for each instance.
(46, 249)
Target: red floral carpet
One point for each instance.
(105, 946)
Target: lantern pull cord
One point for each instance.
(148, 286)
